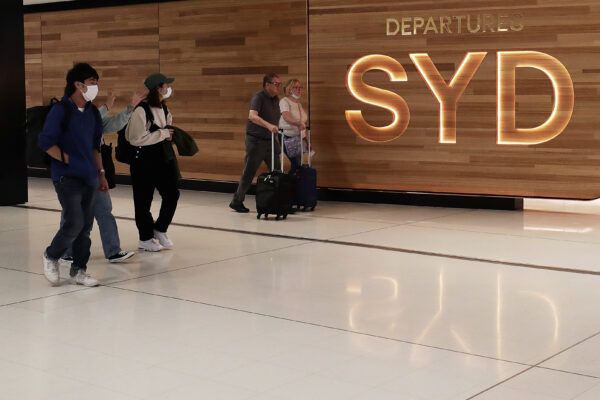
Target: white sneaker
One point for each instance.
(163, 239)
(149, 245)
(51, 270)
(66, 260)
(82, 278)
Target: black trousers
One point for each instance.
(146, 175)
(257, 151)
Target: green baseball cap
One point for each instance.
(155, 80)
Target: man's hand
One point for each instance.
(136, 97)
(102, 183)
(171, 131)
(273, 128)
(301, 126)
(56, 153)
(110, 100)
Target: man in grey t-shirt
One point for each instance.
(263, 121)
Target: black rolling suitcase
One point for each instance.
(304, 182)
(274, 190)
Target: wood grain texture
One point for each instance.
(219, 51)
(121, 43)
(33, 59)
(563, 167)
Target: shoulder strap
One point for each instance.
(98, 119)
(64, 124)
(166, 111)
(150, 116)
(97, 114)
(146, 107)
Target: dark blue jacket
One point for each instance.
(82, 135)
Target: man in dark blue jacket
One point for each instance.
(71, 136)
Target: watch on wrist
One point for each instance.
(101, 171)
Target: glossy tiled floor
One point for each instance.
(353, 301)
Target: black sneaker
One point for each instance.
(121, 256)
(238, 207)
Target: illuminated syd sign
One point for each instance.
(448, 95)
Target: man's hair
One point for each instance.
(79, 73)
(268, 78)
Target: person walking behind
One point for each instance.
(109, 233)
(263, 120)
(71, 136)
(150, 169)
(293, 122)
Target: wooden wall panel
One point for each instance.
(566, 166)
(219, 53)
(33, 59)
(121, 43)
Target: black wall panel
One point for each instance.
(13, 168)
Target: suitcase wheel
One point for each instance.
(277, 218)
(313, 208)
(258, 215)
(285, 216)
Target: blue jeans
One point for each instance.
(109, 234)
(77, 201)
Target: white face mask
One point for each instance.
(168, 94)
(294, 95)
(92, 92)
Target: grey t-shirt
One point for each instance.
(268, 109)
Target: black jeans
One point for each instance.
(77, 201)
(146, 175)
(257, 151)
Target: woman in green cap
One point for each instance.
(149, 168)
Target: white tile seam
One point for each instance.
(376, 247)
(537, 365)
(143, 276)
(336, 328)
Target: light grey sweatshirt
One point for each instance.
(114, 123)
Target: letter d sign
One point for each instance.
(564, 98)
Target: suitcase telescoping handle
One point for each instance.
(273, 150)
(302, 147)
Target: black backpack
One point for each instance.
(36, 117)
(124, 152)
